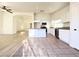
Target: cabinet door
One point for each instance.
(64, 35)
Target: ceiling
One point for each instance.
(47, 7)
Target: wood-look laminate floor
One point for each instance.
(45, 47)
(9, 44)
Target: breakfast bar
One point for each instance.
(37, 32)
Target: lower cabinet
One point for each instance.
(51, 31)
(64, 35)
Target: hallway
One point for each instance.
(45, 47)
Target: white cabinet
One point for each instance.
(7, 23)
(51, 31)
(64, 35)
(74, 25)
(37, 32)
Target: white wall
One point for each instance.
(42, 16)
(10, 23)
(6, 22)
(1, 21)
(23, 21)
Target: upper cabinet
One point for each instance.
(62, 14)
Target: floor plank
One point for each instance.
(49, 47)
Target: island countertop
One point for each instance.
(37, 32)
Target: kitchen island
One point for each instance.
(37, 32)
